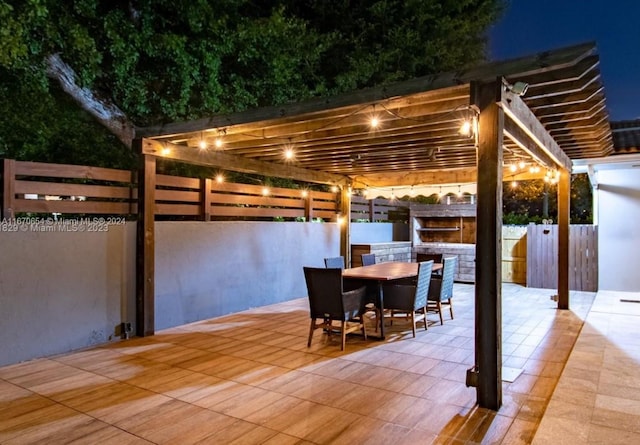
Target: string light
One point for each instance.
(334, 189)
(219, 142)
(513, 167)
(265, 191)
(514, 184)
(304, 193)
(374, 122)
(202, 144)
(465, 128)
(219, 178)
(288, 153)
(165, 151)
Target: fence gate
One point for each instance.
(542, 257)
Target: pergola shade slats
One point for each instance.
(419, 125)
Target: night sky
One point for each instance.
(532, 26)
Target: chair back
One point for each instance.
(368, 259)
(448, 271)
(422, 285)
(324, 287)
(442, 287)
(334, 262)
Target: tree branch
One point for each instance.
(106, 112)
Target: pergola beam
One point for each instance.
(225, 161)
(517, 111)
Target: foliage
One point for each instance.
(525, 202)
(168, 60)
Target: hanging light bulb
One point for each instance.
(514, 184)
(219, 142)
(219, 178)
(202, 144)
(532, 169)
(288, 153)
(305, 193)
(536, 169)
(513, 167)
(465, 128)
(265, 191)
(522, 165)
(374, 122)
(334, 189)
(165, 151)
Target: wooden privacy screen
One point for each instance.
(542, 257)
(34, 187)
(378, 210)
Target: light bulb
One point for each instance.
(374, 122)
(465, 129)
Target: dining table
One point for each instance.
(383, 273)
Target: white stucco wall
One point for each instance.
(618, 233)
(64, 291)
(205, 270)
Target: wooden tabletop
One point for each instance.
(392, 270)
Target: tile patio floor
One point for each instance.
(249, 378)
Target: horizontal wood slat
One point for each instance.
(75, 207)
(72, 171)
(65, 189)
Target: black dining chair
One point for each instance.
(410, 300)
(441, 288)
(368, 259)
(329, 302)
(334, 262)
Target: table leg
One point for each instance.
(380, 305)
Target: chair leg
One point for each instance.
(426, 324)
(451, 308)
(413, 323)
(344, 334)
(311, 329)
(440, 312)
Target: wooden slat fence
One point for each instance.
(42, 188)
(514, 254)
(376, 210)
(542, 257)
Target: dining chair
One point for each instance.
(410, 300)
(329, 302)
(334, 262)
(441, 288)
(368, 259)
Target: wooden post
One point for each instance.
(205, 198)
(145, 244)
(8, 189)
(345, 227)
(564, 192)
(308, 207)
(372, 210)
(488, 291)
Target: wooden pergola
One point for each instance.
(417, 141)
